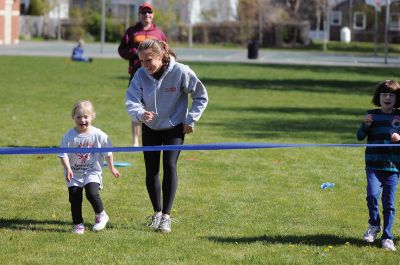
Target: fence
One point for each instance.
(39, 26)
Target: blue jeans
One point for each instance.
(385, 183)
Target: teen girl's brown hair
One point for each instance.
(158, 47)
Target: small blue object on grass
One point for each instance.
(119, 164)
(327, 185)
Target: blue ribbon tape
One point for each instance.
(186, 147)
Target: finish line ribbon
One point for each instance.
(185, 147)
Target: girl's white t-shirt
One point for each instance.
(86, 167)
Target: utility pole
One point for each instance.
(190, 28)
(376, 32)
(59, 20)
(260, 22)
(326, 26)
(103, 25)
(351, 19)
(387, 28)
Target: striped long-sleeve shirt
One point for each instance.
(381, 158)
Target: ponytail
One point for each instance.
(168, 52)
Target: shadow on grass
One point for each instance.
(311, 240)
(291, 122)
(296, 110)
(34, 225)
(370, 71)
(296, 85)
(42, 225)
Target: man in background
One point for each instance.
(142, 30)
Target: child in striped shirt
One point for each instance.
(381, 126)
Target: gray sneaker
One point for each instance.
(165, 225)
(155, 221)
(371, 233)
(388, 244)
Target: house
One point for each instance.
(59, 9)
(365, 19)
(188, 12)
(9, 21)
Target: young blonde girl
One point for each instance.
(84, 170)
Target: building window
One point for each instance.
(359, 20)
(336, 18)
(395, 21)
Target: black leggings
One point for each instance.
(76, 197)
(174, 136)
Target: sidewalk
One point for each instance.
(64, 49)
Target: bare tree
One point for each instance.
(248, 13)
(293, 5)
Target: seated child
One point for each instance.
(77, 53)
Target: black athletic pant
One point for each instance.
(76, 197)
(174, 136)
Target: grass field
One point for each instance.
(260, 206)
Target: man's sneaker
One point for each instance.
(100, 221)
(165, 225)
(155, 221)
(370, 234)
(388, 244)
(78, 229)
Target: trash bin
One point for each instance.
(345, 35)
(252, 49)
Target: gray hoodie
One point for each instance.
(166, 97)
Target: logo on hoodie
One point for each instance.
(169, 89)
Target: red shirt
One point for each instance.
(130, 42)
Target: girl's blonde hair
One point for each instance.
(157, 47)
(86, 106)
(387, 86)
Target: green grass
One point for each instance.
(262, 206)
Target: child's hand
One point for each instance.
(368, 120)
(115, 172)
(69, 175)
(395, 137)
(187, 129)
(148, 116)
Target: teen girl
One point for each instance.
(158, 97)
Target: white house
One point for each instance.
(189, 11)
(59, 9)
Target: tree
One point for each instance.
(167, 18)
(293, 6)
(38, 7)
(248, 14)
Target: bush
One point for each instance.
(37, 7)
(75, 32)
(114, 29)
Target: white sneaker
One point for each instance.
(155, 221)
(78, 229)
(100, 221)
(165, 225)
(370, 234)
(388, 244)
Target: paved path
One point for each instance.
(63, 49)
